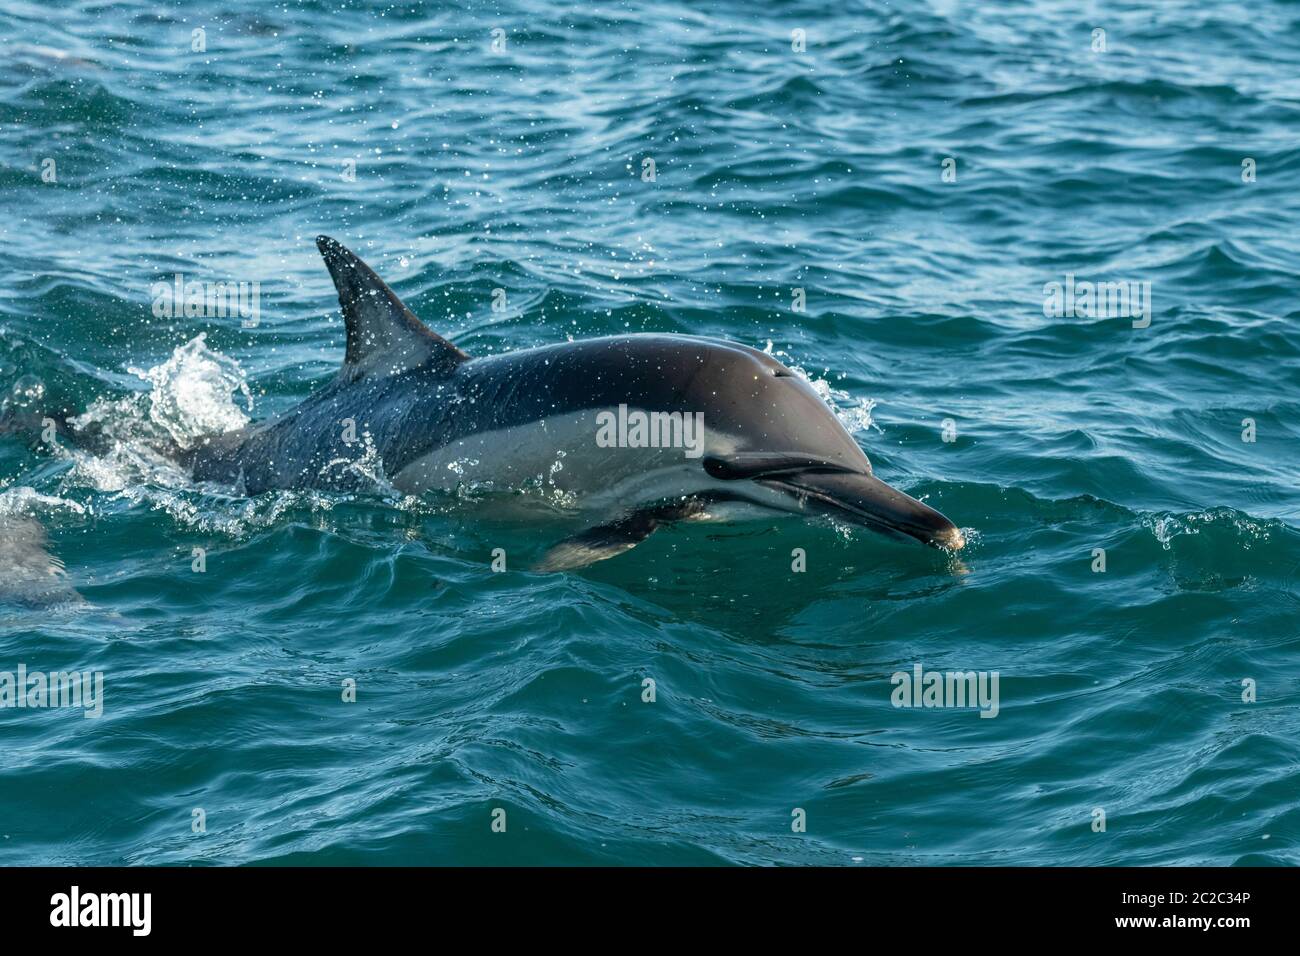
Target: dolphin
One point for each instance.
(30, 576)
(641, 430)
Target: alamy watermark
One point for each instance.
(208, 300)
(922, 688)
(24, 688)
(639, 429)
(75, 908)
(1080, 298)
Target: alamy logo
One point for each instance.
(1079, 298)
(56, 689)
(638, 429)
(922, 688)
(103, 909)
(207, 300)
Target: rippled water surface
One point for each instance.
(127, 156)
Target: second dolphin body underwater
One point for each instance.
(437, 418)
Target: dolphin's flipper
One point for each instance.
(384, 336)
(609, 540)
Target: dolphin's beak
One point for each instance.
(867, 500)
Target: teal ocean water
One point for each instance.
(923, 171)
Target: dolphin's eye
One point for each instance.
(782, 373)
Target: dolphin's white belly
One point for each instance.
(561, 454)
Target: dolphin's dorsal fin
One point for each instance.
(384, 336)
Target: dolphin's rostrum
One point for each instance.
(436, 417)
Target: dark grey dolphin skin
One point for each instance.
(428, 411)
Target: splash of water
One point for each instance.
(366, 470)
(191, 393)
(190, 396)
(1166, 527)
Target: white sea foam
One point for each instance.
(195, 392)
(1167, 527)
(191, 395)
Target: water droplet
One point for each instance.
(28, 390)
